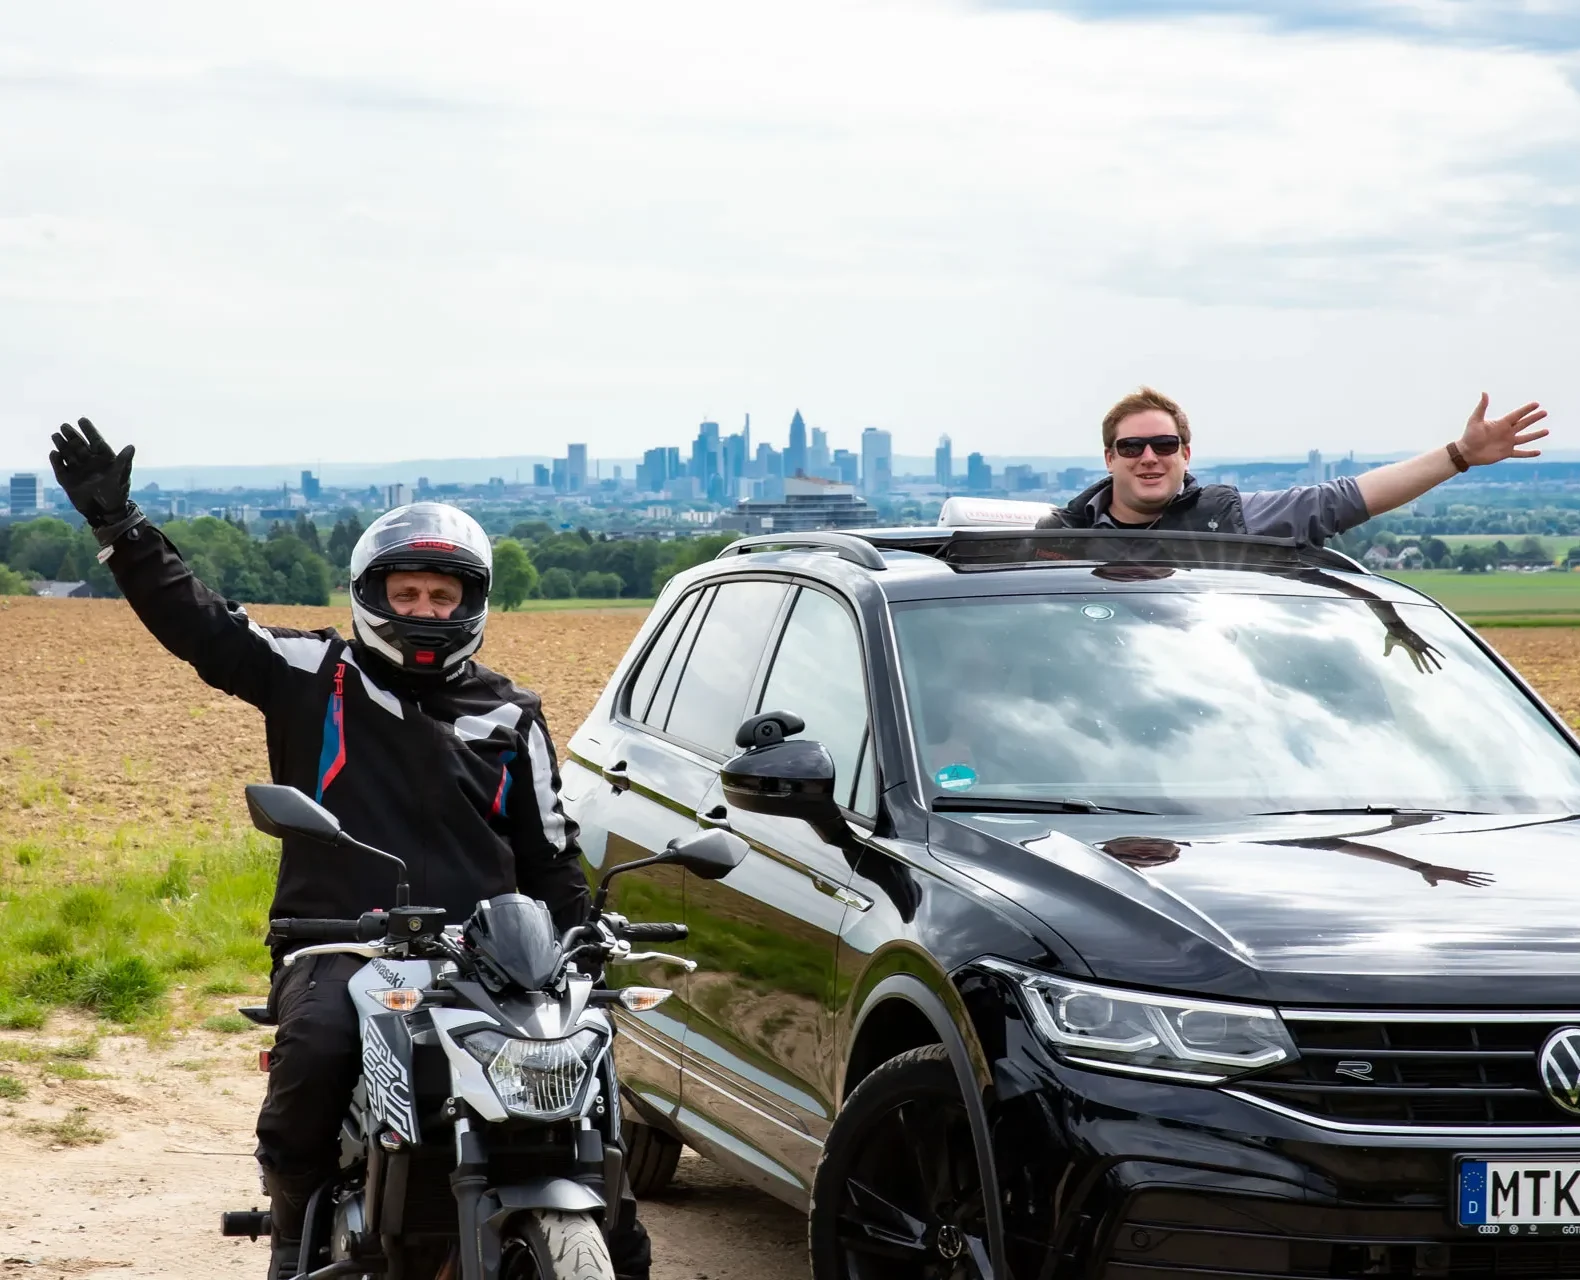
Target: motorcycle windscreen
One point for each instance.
(516, 933)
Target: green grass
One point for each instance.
(229, 1023)
(115, 944)
(1502, 599)
(11, 1088)
(553, 606)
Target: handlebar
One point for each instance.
(653, 932)
(369, 928)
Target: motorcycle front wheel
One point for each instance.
(545, 1245)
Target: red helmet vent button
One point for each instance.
(423, 657)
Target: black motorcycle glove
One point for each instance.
(96, 479)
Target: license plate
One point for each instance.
(1524, 1195)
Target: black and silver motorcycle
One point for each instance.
(482, 1141)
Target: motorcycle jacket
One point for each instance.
(458, 777)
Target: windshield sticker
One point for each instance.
(956, 777)
(1097, 611)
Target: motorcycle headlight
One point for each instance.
(1167, 1037)
(537, 1078)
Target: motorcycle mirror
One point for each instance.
(279, 811)
(709, 854)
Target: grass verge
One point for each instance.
(184, 914)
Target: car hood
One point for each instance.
(1320, 907)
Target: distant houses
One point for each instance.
(62, 590)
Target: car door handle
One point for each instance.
(616, 776)
(717, 818)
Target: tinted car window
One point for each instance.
(665, 695)
(710, 702)
(658, 656)
(817, 673)
(1223, 703)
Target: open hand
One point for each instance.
(96, 478)
(1485, 442)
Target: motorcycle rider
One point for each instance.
(416, 748)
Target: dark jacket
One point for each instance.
(1197, 508)
(457, 777)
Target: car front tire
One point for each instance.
(897, 1193)
(650, 1158)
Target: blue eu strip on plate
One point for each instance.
(1472, 1193)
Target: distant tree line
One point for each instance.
(537, 561)
(287, 567)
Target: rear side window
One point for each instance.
(658, 658)
(710, 702)
(675, 663)
(818, 674)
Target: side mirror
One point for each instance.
(787, 779)
(278, 811)
(709, 854)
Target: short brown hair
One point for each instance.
(1138, 402)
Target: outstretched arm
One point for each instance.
(1483, 443)
(199, 626)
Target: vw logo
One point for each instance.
(1560, 1068)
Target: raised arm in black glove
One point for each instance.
(96, 479)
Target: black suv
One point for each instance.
(1117, 906)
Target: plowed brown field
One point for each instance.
(105, 736)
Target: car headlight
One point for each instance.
(539, 1078)
(1167, 1037)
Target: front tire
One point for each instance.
(545, 1245)
(897, 1194)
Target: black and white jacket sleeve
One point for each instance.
(548, 858)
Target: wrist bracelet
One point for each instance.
(1456, 457)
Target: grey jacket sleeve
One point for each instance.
(1311, 513)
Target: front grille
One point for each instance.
(1168, 1235)
(1415, 1073)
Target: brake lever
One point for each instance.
(631, 957)
(369, 950)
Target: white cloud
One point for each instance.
(349, 231)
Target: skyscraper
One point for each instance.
(796, 455)
(847, 467)
(24, 494)
(877, 461)
(979, 476)
(817, 457)
(944, 462)
(576, 468)
(310, 488)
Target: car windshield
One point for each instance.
(1215, 702)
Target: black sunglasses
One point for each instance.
(1135, 446)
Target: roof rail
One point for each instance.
(847, 546)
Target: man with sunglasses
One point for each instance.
(1146, 444)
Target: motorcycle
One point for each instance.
(483, 1139)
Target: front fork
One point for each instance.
(480, 1246)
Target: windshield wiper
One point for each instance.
(1005, 804)
(1369, 808)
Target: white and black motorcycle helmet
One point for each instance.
(430, 537)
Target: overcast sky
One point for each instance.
(362, 231)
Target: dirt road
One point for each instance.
(145, 1201)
